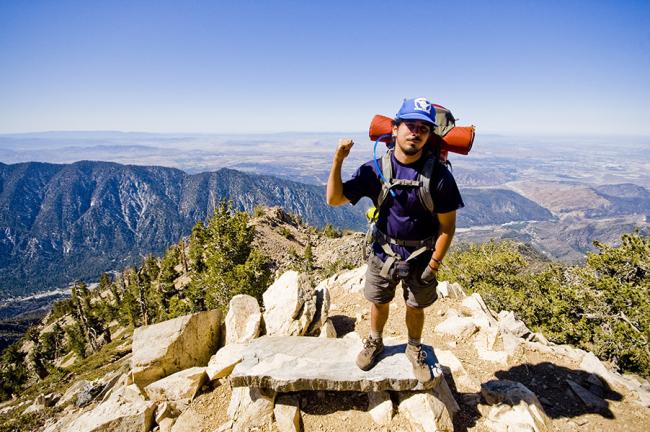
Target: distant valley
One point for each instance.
(66, 221)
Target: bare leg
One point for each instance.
(414, 322)
(378, 316)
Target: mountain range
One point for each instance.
(72, 221)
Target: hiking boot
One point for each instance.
(371, 349)
(418, 358)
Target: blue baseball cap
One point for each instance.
(417, 109)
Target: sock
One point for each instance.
(375, 335)
(416, 342)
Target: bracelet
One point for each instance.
(439, 261)
(435, 269)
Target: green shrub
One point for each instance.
(331, 232)
(603, 306)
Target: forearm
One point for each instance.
(442, 245)
(445, 236)
(335, 185)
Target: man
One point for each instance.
(410, 241)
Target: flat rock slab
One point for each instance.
(294, 363)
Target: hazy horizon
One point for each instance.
(509, 67)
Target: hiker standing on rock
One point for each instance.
(410, 238)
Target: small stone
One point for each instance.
(287, 413)
(380, 407)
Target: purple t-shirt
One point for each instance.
(403, 216)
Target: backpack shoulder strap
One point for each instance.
(424, 191)
(387, 172)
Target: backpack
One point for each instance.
(446, 137)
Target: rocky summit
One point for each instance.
(205, 372)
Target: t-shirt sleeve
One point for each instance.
(364, 183)
(445, 193)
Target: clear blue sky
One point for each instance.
(516, 66)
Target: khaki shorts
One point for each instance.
(380, 290)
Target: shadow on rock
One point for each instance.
(564, 392)
(468, 414)
(343, 324)
(328, 402)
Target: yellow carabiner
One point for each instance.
(372, 214)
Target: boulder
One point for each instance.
(590, 363)
(88, 393)
(459, 373)
(114, 379)
(251, 407)
(639, 388)
(446, 290)
(189, 421)
(167, 424)
(513, 407)
(380, 407)
(224, 361)
(428, 411)
(475, 306)
(170, 346)
(511, 343)
(62, 424)
(290, 305)
(349, 281)
(72, 392)
(38, 405)
(509, 324)
(179, 388)
(125, 411)
(243, 319)
(500, 357)
(328, 330)
(456, 326)
(292, 363)
(322, 310)
(123, 381)
(287, 413)
(163, 411)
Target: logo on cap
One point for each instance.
(421, 104)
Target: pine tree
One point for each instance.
(197, 247)
(308, 257)
(232, 265)
(13, 372)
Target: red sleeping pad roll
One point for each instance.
(458, 140)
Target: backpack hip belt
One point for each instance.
(385, 241)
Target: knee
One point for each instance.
(380, 307)
(414, 311)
